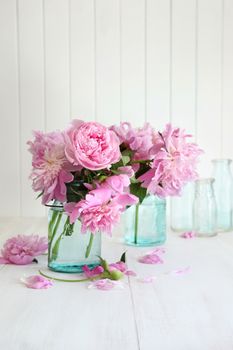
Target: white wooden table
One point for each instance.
(193, 311)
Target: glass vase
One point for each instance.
(223, 193)
(182, 209)
(204, 209)
(69, 249)
(145, 223)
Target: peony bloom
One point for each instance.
(49, 173)
(139, 140)
(99, 211)
(174, 163)
(37, 282)
(92, 145)
(22, 249)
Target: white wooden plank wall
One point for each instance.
(111, 60)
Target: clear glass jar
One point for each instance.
(204, 208)
(182, 209)
(145, 223)
(223, 189)
(69, 249)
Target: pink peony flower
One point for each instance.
(96, 271)
(139, 140)
(22, 249)
(99, 211)
(37, 282)
(92, 145)
(50, 167)
(174, 163)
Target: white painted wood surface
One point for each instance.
(192, 311)
(111, 60)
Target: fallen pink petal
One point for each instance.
(130, 273)
(188, 234)
(96, 271)
(150, 259)
(148, 279)
(159, 250)
(178, 272)
(105, 284)
(37, 282)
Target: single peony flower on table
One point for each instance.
(92, 145)
(50, 170)
(23, 249)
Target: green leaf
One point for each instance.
(40, 194)
(137, 190)
(123, 257)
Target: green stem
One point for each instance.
(136, 224)
(54, 233)
(62, 280)
(88, 250)
(51, 223)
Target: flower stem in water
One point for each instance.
(136, 224)
(88, 250)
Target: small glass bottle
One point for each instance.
(204, 208)
(182, 209)
(223, 193)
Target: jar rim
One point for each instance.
(221, 160)
(205, 180)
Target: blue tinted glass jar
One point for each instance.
(223, 189)
(204, 209)
(145, 223)
(69, 249)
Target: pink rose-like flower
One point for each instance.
(51, 170)
(22, 249)
(37, 282)
(92, 145)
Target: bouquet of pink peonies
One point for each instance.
(97, 172)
